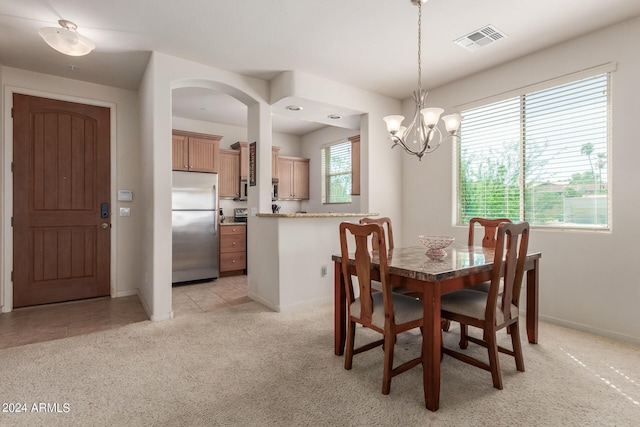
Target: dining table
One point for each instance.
(409, 267)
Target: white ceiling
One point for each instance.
(371, 44)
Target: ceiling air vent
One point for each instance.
(479, 38)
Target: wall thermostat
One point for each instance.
(125, 195)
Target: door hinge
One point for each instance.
(12, 166)
(12, 276)
(12, 221)
(12, 112)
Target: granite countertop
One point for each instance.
(316, 215)
(232, 223)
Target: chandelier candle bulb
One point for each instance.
(393, 123)
(431, 116)
(452, 122)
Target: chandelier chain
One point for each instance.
(422, 135)
(419, 45)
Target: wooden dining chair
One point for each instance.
(488, 240)
(492, 311)
(490, 229)
(385, 221)
(490, 226)
(386, 312)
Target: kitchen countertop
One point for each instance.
(316, 215)
(232, 223)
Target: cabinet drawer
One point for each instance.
(233, 261)
(226, 230)
(233, 243)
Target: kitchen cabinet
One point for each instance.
(229, 176)
(195, 152)
(244, 160)
(243, 151)
(233, 249)
(275, 155)
(293, 175)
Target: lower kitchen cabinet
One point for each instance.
(233, 249)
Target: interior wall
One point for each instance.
(145, 232)
(312, 144)
(381, 174)
(125, 158)
(588, 280)
(4, 167)
(165, 73)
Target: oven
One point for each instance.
(240, 214)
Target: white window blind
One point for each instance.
(540, 157)
(336, 173)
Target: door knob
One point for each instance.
(105, 225)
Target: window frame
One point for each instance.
(325, 176)
(521, 93)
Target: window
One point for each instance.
(336, 173)
(541, 157)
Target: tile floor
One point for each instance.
(53, 321)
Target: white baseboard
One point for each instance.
(126, 293)
(262, 301)
(305, 304)
(590, 329)
(290, 307)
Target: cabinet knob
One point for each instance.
(233, 243)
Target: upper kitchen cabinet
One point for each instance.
(196, 152)
(242, 147)
(293, 174)
(229, 176)
(275, 155)
(244, 160)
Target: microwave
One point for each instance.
(244, 188)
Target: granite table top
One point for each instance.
(461, 260)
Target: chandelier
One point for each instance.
(422, 135)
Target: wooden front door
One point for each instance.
(61, 196)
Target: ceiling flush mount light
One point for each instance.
(422, 135)
(293, 107)
(66, 39)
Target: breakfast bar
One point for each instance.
(296, 269)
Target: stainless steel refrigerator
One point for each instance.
(195, 226)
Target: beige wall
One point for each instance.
(125, 160)
(588, 279)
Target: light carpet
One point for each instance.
(248, 366)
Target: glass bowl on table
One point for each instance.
(436, 245)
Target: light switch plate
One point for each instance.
(125, 211)
(125, 196)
